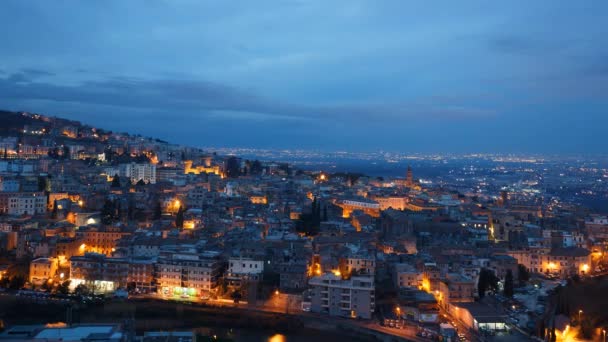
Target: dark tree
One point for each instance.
(108, 154)
(236, 296)
(487, 281)
(508, 290)
(16, 282)
(66, 152)
(82, 290)
(158, 212)
(523, 275)
(179, 218)
(233, 169)
(256, 167)
(41, 183)
(54, 211)
(64, 288)
(116, 181)
(130, 211)
(107, 212)
(140, 182)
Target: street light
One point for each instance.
(579, 315)
(604, 332)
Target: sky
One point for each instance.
(408, 76)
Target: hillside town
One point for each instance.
(90, 213)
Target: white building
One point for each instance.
(134, 171)
(244, 269)
(27, 204)
(187, 274)
(137, 172)
(335, 296)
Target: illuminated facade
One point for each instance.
(190, 169)
(42, 270)
(562, 262)
(187, 274)
(98, 240)
(348, 206)
(98, 272)
(395, 202)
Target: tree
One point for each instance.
(130, 211)
(54, 211)
(179, 218)
(508, 290)
(233, 169)
(324, 213)
(256, 167)
(66, 152)
(236, 296)
(16, 282)
(4, 282)
(82, 290)
(140, 182)
(158, 211)
(523, 275)
(107, 212)
(64, 287)
(487, 281)
(116, 181)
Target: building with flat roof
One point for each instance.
(354, 297)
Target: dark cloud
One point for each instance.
(35, 73)
(201, 97)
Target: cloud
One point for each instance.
(215, 99)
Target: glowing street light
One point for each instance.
(579, 315)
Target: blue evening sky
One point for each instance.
(424, 76)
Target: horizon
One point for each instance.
(514, 78)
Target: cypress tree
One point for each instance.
(179, 218)
(508, 290)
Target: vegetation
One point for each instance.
(179, 218)
(523, 275)
(310, 224)
(487, 281)
(508, 288)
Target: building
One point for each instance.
(359, 263)
(141, 276)
(243, 269)
(456, 288)
(187, 274)
(562, 262)
(354, 297)
(405, 275)
(135, 172)
(418, 305)
(369, 207)
(22, 203)
(42, 270)
(63, 333)
(100, 239)
(100, 273)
